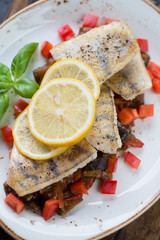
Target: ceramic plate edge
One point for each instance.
(119, 226)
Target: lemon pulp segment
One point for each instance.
(61, 112)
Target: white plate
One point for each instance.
(98, 215)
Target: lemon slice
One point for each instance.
(62, 112)
(73, 68)
(30, 146)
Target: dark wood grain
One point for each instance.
(146, 227)
(16, 6)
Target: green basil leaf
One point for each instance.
(21, 60)
(4, 86)
(25, 87)
(4, 78)
(4, 71)
(4, 103)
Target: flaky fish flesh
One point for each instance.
(107, 49)
(132, 80)
(104, 135)
(27, 176)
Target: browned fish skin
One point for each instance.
(132, 80)
(26, 176)
(107, 49)
(104, 135)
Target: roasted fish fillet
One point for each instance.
(26, 176)
(104, 135)
(132, 80)
(107, 49)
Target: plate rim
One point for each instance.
(153, 200)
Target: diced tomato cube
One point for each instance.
(50, 207)
(132, 159)
(65, 32)
(73, 198)
(19, 106)
(156, 85)
(7, 134)
(108, 186)
(45, 49)
(143, 44)
(127, 115)
(78, 188)
(112, 164)
(150, 74)
(90, 21)
(134, 112)
(15, 203)
(154, 69)
(146, 110)
(108, 21)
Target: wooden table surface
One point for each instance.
(146, 227)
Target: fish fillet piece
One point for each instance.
(26, 176)
(104, 135)
(107, 49)
(132, 80)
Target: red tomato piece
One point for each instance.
(146, 110)
(127, 115)
(15, 203)
(73, 198)
(134, 112)
(143, 44)
(112, 164)
(66, 32)
(90, 21)
(50, 207)
(78, 188)
(7, 134)
(132, 159)
(19, 106)
(108, 21)
(154, 69)
(156, 85)
(45, 49)
(150, 74)
(108, 186)
(133, 142)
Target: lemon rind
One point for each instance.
(78, 62)
(33, 156)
